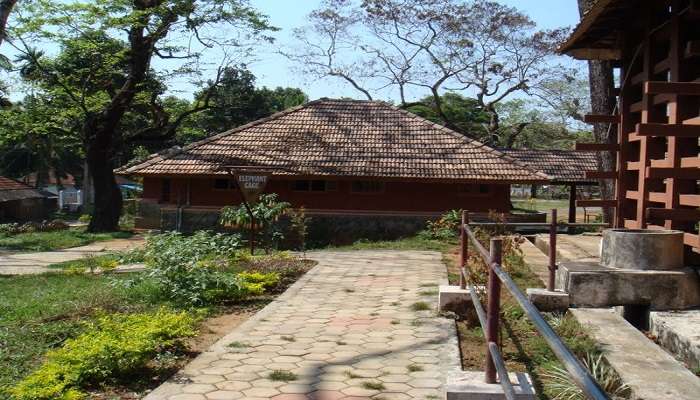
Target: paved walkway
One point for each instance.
(36, 263)
(347, 330)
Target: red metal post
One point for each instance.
(552, 251)
(493, 308)
(463, 248)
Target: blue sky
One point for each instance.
(274, 70)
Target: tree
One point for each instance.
(5, 9)
(434, 46)
(236, 101)
(463, 112)
(602, 86)
(36, 137)
(148, 29)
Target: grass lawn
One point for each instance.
(47, 241)
(410, 243)
(40, 312)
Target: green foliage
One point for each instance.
(300, 227)
(445, 228)
(463, 112)
(560, 386)
(113, 346)
(266, 213)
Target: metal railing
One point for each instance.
(552, 226)
(490, 319)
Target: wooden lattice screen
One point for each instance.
(658, 123)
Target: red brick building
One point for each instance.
(336, 157)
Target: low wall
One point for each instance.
(324, 228)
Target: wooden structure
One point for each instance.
(655, 45)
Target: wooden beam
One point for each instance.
(691, 200)
(597, 147)
(596, 203)
(663, 163)
(637, 107)
(690, 162)
(679, 88)
(692, 121)
(634, 165)
(692, 49)
(655, 129)
(601, 119)
(678, 214)
(662, 66)
(691, 239)
(632, 195)
(677, 173)
(657, 197)
(631, 224)
(601, 175)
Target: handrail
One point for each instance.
(493, 348)
(490, 320)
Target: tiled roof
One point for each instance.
(342, 138)
(560, 165)
(11, 190)
(596, 35)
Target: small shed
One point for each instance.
(564, 167)
(20, 202)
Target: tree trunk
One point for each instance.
(5, 9)
(108, 198)
(602, 102)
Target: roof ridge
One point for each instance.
(471, 140)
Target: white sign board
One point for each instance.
(252, 185)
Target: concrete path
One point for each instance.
(36, 263)
(347, 330)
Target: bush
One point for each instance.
(114, 346)
(85, 218)
(445, 228)
(173, 249)
(266, 212)
(32, 227)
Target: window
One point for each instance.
(367, 187)
(314, 186)
(165, 190)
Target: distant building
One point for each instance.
(362, 159)
(20, 202)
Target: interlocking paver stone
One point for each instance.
(345, 323)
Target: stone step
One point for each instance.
(648, 370)
(679, 333)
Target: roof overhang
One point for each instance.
(597, 36)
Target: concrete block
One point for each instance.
(590, 284)
(546, 300)
(470, 385)
(679, 333)
(642, 249)
(454, 299)
(649, 371)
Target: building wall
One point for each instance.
(395, 196)
(26, 210)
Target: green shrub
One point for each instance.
(85, 218)
(113, 346)
(266, 212)
(445, 228)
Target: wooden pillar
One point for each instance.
(572, 203)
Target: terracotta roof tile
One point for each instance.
(342, 138)
(560, 165)
(11, 190)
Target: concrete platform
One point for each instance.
(470, 385)
(679, 333)
(590, 284)
(585, 247)
(547, 301)
(648, 370)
